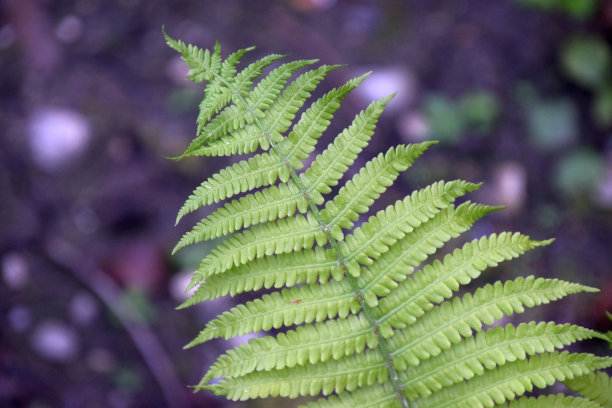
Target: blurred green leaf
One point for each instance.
(140, 303)
(541, 4)
(602, 106)
(445, 121)
(480, 110)
(586, 60)
(127, 379)
(579, 8)
(552, 124)
(578, 173)
(574, 8)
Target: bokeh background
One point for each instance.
(519, 93)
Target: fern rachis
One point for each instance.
(365, 314)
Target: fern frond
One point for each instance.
(594, 386)
(280, 237)
(450, 322)
(485, 351)
(514, 379)
(470, 358)
(262, 169)
(393, 267)
(241, 84)
(311, 344)
(554, 400)
(385, 334)
(438, 281)
(203, 65)
(244, 140)
(216, 95)
(303, 304)
(309, 266)
(365, 187)
(304, 380)
(269, 204)
(314, 121)
(388, 226)
(329, 166)
(376, 396)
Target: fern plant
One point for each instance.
(365, 316)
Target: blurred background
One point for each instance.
(518, 92)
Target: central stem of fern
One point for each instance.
(367, 310)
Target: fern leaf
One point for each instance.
(450, 322)
(282, 236)
(314, 121)
(303, 304)
(470, 358)
(438, 281)
(216, 94)
(309, 266)
(594, 386)
(258, 101)
(269, 204)
(365, 187)
(554, 400)
(304, 380)
(307, 344)
(514, 379)
(203, 65)
(329, 166)
(262, 169)
(244, 111)
(381, 278)
(485, 351)
(385, 334)
(281, 114)
(376, 396)
(388, 226)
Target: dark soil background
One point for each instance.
(92, 101)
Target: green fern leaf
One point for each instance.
(388, 226)
(279, 201)
(438, 281)
(402, 258)
(390, 332)
(379, 396)
(282, 236)
(514, 379)
(594, 386)
(203, 65)
(284, 270)
(303, 304)
(329, 166)
(332, 339)
(262, 169)
(450, 322)
(259, 100)
(485, 351)
(365, 187)
(547, 401)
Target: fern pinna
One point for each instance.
(367, 319)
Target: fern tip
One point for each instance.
(544, 242)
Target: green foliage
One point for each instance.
(475, 111)
(587, 60)
(574, 8)
(367, 316)
(578, 173)
(552, 124)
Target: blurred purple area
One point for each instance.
(92, 101)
